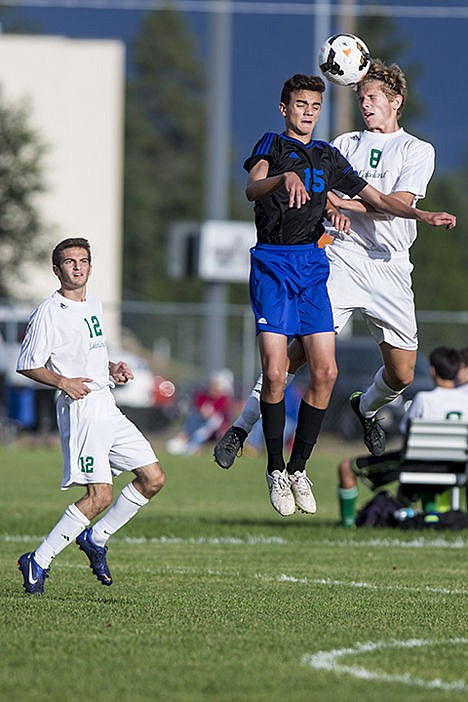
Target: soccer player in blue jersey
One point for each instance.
(289, 175)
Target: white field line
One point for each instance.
(329, 661)
(281, 578)
(290, 579)
(419, 542)
(171, 540)
(370, 586)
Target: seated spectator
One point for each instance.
(462, 376)
(445, 401)
(208, 417)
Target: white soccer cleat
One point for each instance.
(301, 488)
(281, 496)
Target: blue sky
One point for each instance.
(268, 47)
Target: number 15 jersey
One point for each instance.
(321, 167)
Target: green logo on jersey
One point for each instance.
(87, 464)
(454, 415)
(374, 157)
(94, 326)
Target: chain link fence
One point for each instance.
(171, 338)
(173, 333)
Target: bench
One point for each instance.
(434, 454)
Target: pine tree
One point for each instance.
(21, 179)
(164, 160)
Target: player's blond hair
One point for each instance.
(392, 78)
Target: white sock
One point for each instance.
(64, 533)
(251, 411)
(124, 508)
(377, 395)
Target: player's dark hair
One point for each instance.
(68, 244)
(301, 82)
(464, 355)
(392, 78)
(446, 362)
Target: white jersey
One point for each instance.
(437, 405)
(395, 162)
(68, 338)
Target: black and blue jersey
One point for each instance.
(321, 168)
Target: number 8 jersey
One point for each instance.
(67, 337)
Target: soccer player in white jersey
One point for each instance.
(370, 267)
(446, 401)
(65, 348)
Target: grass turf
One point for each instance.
(216, 597)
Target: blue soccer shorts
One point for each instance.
(288, 289)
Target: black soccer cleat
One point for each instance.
(374, 435)
(229, 447)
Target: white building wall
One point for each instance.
(75, 91)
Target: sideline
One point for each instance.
(283, 578)
(418, 542)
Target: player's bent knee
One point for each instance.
(332, 375)
(400, 377)
(324, 376)
(100, 497)
(150, 479)
(274, 377)
(407, 378)
(159, 479)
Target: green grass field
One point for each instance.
(216, 597)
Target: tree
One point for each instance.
(441, 257)
(384, 41)
(21, 179)
(164, 157)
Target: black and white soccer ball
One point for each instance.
(344, 59)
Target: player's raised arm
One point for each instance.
(394, 206)
(260, 184)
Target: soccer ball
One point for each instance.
(344, 59)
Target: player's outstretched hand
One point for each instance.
(120, 372)
(440, 219)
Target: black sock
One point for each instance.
(273, 420)
(309, 422)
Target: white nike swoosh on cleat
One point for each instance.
(32, 581)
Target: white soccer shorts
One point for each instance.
(96, 438)
(380, 289)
